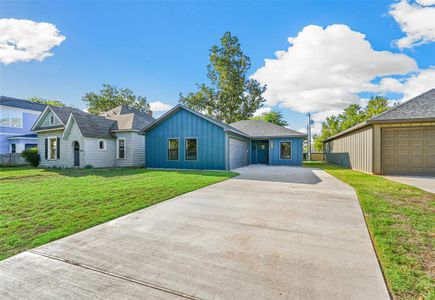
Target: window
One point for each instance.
(101, 145)
(121, 148)
(52, 147)
(173, 149)
(191, 149)
(13, 148)
(51, 120)
(285, 150)
(10, 118)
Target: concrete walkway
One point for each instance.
(426, 183)
(271, 233)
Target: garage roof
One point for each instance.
(418, 109)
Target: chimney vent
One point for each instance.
(150, 113)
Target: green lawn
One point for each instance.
(38, 206)
(401, 221)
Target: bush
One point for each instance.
(31, 156)
(89, 166)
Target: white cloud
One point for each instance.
(419, 83)
(26, 40)
(426, 2)
(262, 110)
(417, 21)
(159, 106)
(325, 68)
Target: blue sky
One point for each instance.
(160, 48)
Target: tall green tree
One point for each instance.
(45, 101)
(274, 117)
(352, 115)
(111, 96)
(232, 96)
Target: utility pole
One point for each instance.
(309, 137)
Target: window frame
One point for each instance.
(49, 148)
(13, 148)
(185, 148)
(9, 118)
(118, 148)
(51, 120)
(280, 155)
(178, 150)
(104, 145)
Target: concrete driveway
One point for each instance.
(271, 233)
(426, 183)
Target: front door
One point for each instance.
(263, 153)
(76, 154)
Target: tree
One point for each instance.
(231, 97)
(274, 117)
(45, 101)
(352, 115)
(110, 97)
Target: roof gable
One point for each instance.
(178, 107)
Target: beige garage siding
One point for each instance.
(408, 151)
(354, 150)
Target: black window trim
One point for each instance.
(287, 142)
(118, 148)
(185, 148)
(178, 150)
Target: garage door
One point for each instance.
(238, 153)
(408, 151)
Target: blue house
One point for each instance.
(16, 119)
(186, 139)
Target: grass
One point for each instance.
(401, 221)
(38, 206)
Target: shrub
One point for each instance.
(31, 156)
(89, 166)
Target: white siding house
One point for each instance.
(68, 137)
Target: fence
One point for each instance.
(12, 159)
(315, 156)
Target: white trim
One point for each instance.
(68, 126)
(185, 148)
(51, 129)
(41, 118)
(117, 148)
(49, 148)
(21, 138)
(104, 145)
(291, 144)
(167, 151)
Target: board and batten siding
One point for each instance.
(353, 150)
(181, 125)
(296, 152)
(66, 159)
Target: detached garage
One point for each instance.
(400, 141)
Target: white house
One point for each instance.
(69, 137)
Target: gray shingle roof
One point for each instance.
(420, 107)
(120, 118)
(20, 103)
(261, 129)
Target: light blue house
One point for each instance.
(186, 139)
(16, 119)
